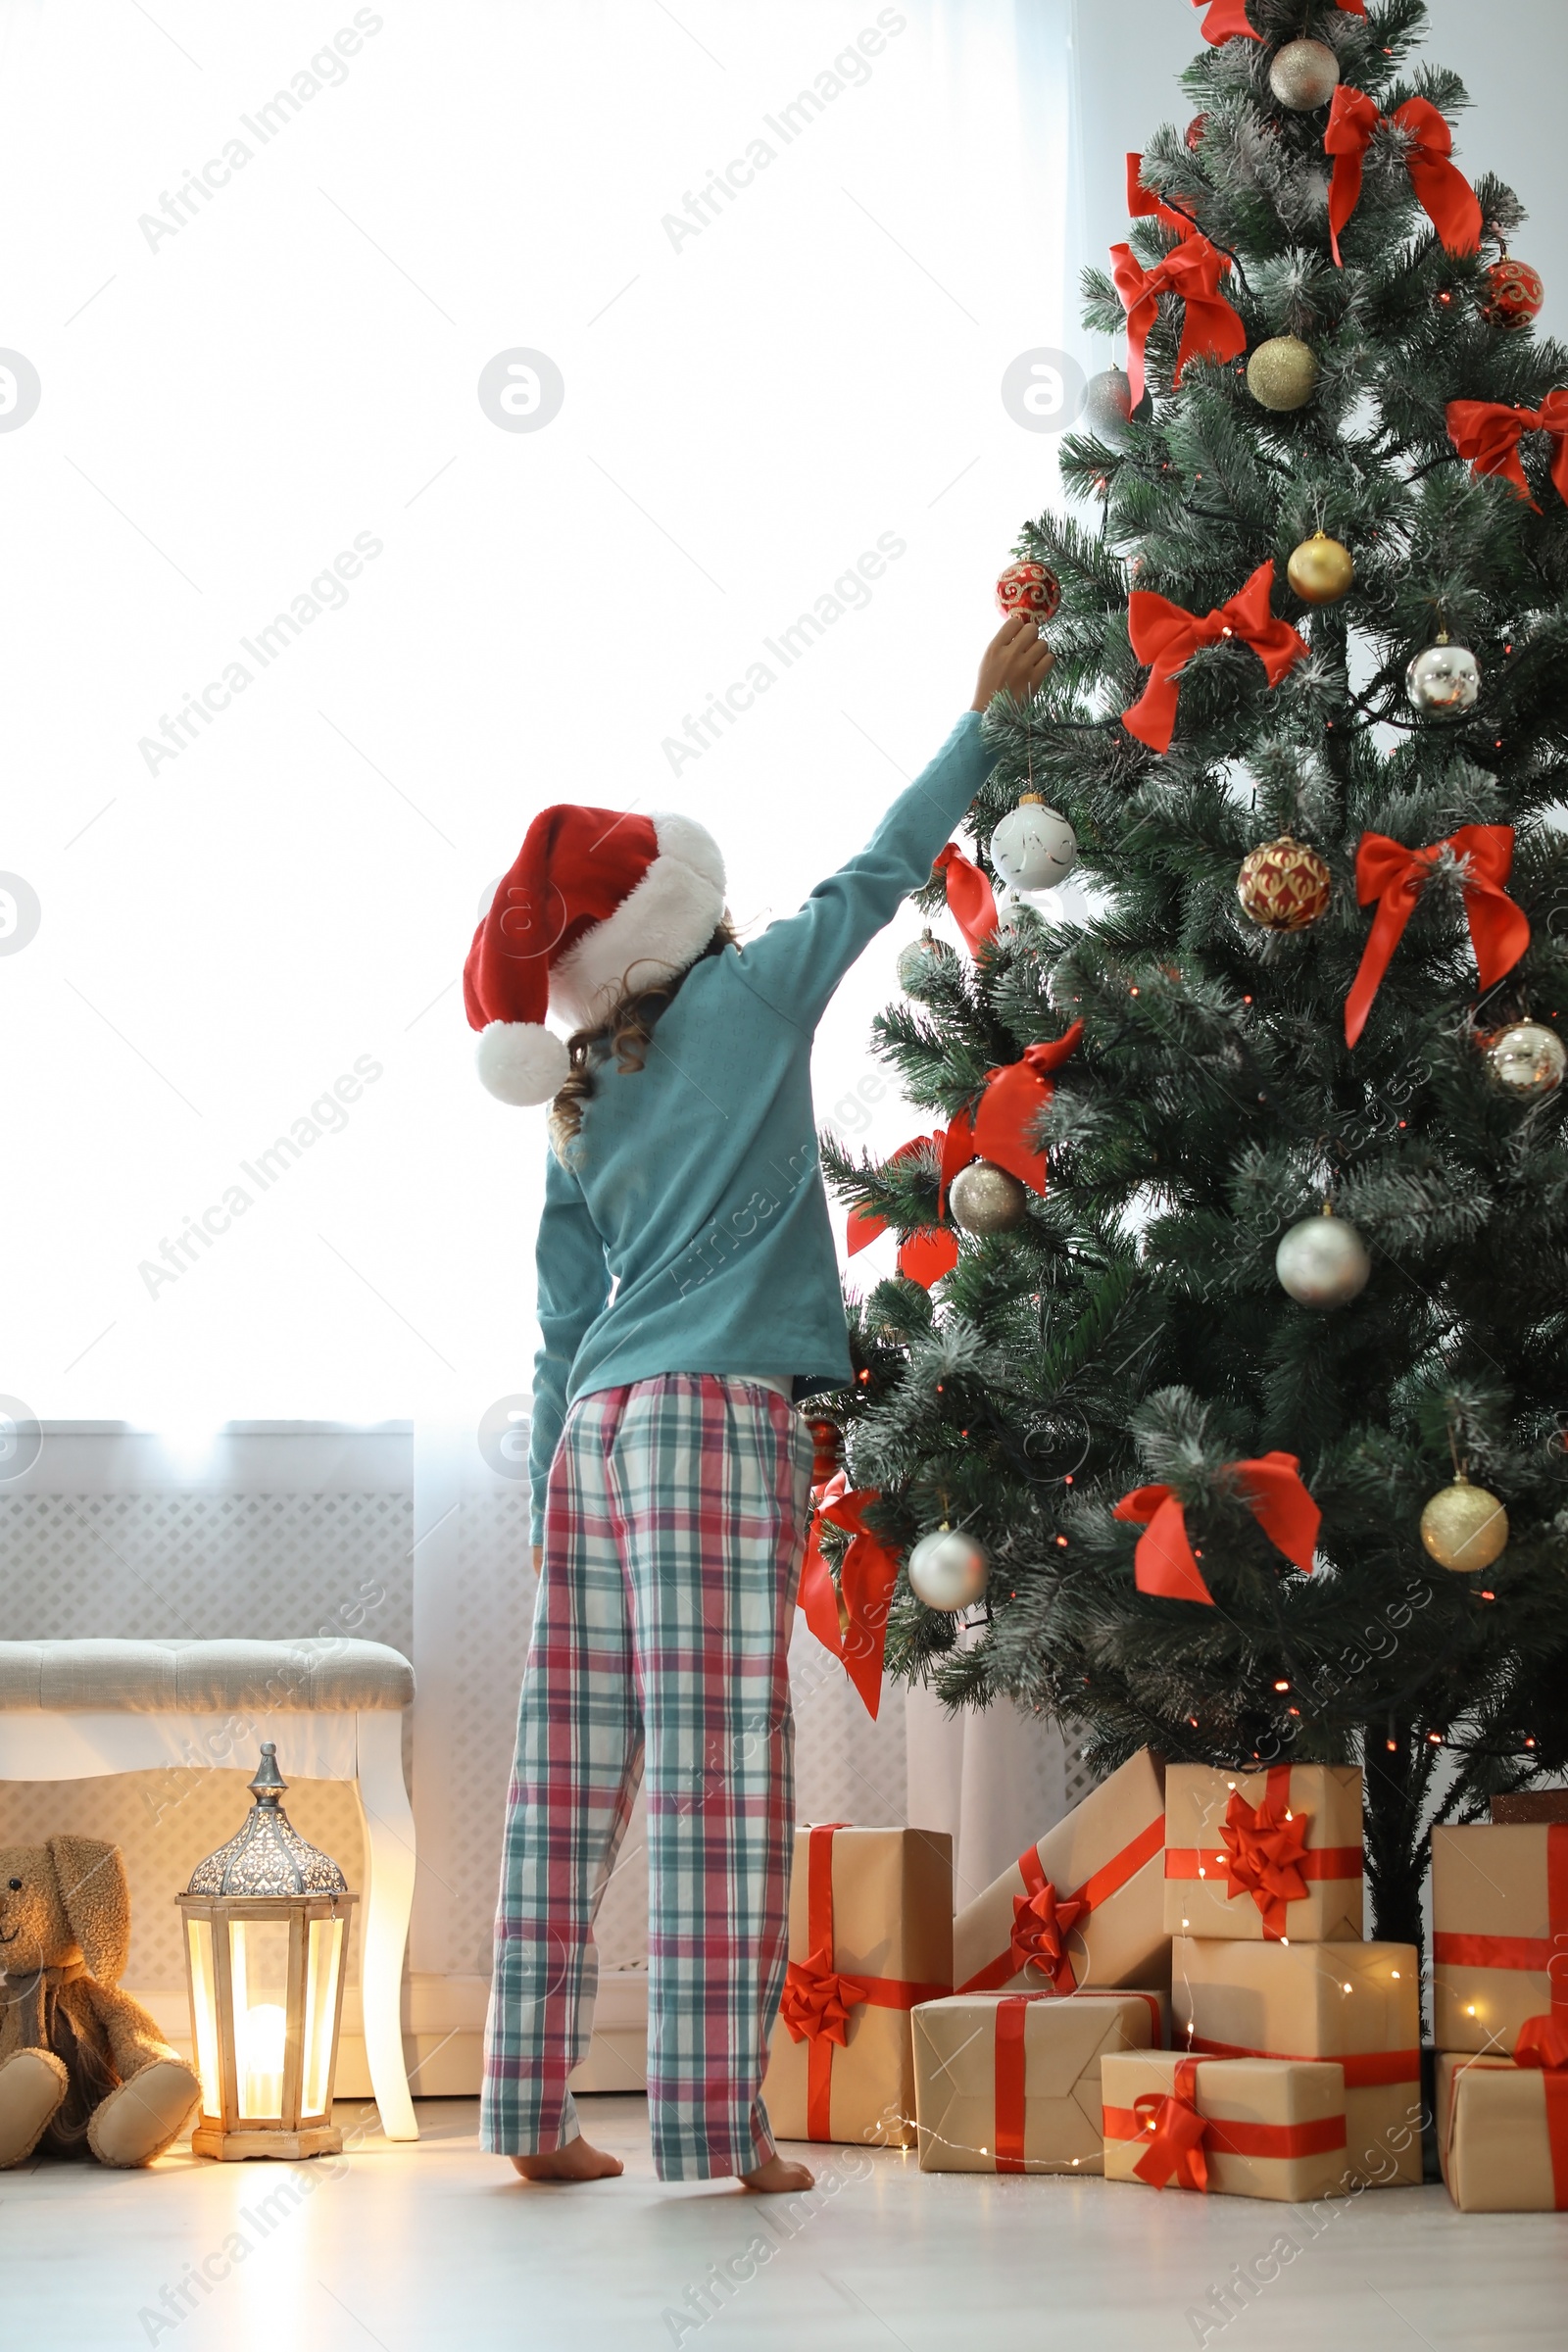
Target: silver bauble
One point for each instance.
(947, 1570)
(1444, 677)
(1305, 76)
(1033, 848)
(1108, 408)
(1527, 1058)
(986, 1200)
(921, 961)
(1323, 1262)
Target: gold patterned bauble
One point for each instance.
(1527, 1058)
(985, 1198)
(1321, 570)
(1284, 885)
(1282, 373)
(1305, 76)
(1464, 1528)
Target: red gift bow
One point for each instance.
(1166, 636)
(1386, 870)
(1442, 189)
(926, 1254)
(867, 1574)
(1098, 1888)
(1487, 432)
(1266, 1849)
(1041, 1922)
(1271, 1488)
(1543, 2042)
(1227, 19)
(817, 2001)
(1176, 2149)
(1014, 1100)
(970, 899)
(1144, 205)
(1210, 328)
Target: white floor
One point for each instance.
(418, 2248)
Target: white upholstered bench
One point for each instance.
(73, 1711)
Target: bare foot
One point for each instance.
(576, 2161)
(778, 2178)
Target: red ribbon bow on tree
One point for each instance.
(928, 1253)
(1442, 189)
(867, 1574)
(1265, 1854)
(816, 2000)
(1271, 1488)
(1227, 20)
(1041, 1922)
(1002, 1126)
(1144, 205)
(1176, 2149)
(1166, 636)
(1210, 328)
(970, 899)
(1487, 432)
(1386, 870)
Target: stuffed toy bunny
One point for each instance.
(81, 2062)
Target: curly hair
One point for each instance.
(625, 1033)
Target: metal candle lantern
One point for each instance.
(267, 1920)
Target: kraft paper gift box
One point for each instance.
(1500, 1931)
(1356, 2003)
(1502, 2134)
(1009, 2081)
(870, 1936)
(1082, 1907)
(1234, 2126)
(1263, 1855)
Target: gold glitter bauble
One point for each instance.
(1282, 373)
(1305, 76)
(1284, 885)
(1321, 570)
(986, 1200)
(1464, 1528)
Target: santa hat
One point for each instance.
(594, 900)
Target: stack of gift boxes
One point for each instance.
(1173, 1987)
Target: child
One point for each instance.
(688, 1290)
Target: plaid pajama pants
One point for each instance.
(674, 1525)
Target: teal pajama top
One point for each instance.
(690, 1231)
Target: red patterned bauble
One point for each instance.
(1195, 129)
(827, 1450)
(1284, 885)
(1513, 293)
(1029, 588)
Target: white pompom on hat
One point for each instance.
(595, 899)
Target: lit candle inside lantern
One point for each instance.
(262, 2055)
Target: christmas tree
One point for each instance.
(1293, 1183)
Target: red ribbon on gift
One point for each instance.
(818, 2000)
(1144, 205)
(867, 1574)
(924, 1257)
(1265, 1851)
(1210, 328)
(1442, 189)
(1386, 870)
(1002, 1130)
(971, 902)
(1543, 2042)
(1175, 2150)
(1271, 1488)
(1097, 1888)
(1166, 636)
(1041, 1922)
(1547, 1955)
(1371, 2069)
(1010, 2078)
(1487, 432)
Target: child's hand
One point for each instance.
(538, 1558)
(1014, 663)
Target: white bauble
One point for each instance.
(947, 1570)
(1323, 1262)
(1033, 848)
(1444, 677)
